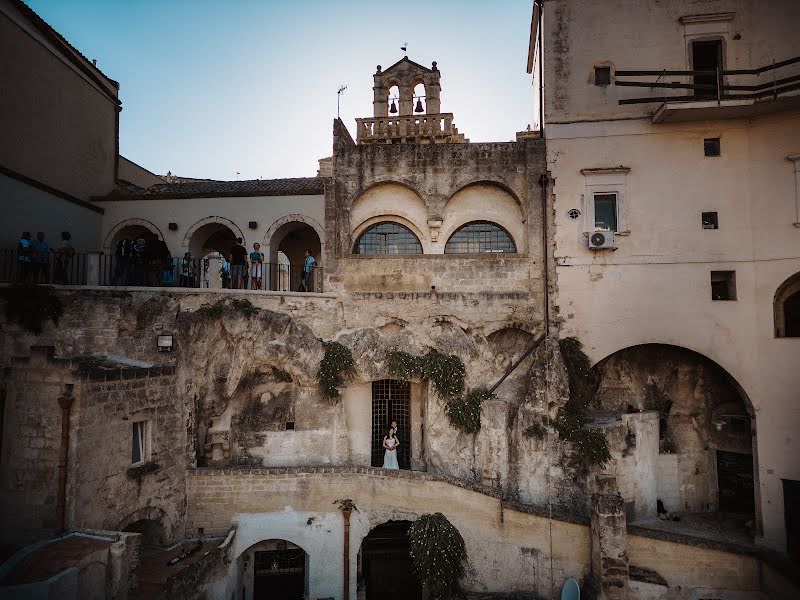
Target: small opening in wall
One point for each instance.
(602, 76)
(711, 147)
(710, 220)
(723, 285)
(573, 213)
(289, 425)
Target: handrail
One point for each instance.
(517, 362)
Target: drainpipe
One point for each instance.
(346, 515)
(65, 402)
(543, 181)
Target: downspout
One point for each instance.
(543, 181)
(346, 515)
(541, 70)
(65, 402)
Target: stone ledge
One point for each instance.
(493, 492)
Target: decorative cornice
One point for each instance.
(707, 18)
(607, 171)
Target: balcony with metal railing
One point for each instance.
(715, 94)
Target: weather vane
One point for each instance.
(404, 48)
(339, 93)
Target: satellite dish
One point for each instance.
(570, 590)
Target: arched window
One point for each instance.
(787, 308)
(387, 238)
(478, 237)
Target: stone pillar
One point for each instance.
(214, 265)
(406, 100)
(93, 267)
(609, 545)
(433, 104)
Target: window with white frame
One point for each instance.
(140, 443)
(604, 200)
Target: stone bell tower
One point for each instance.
(402, 118)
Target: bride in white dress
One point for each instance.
(390, 443)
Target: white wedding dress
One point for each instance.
(390, 456)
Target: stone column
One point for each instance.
(609, 546)
(214, 265)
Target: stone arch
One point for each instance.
(296, 218)
(377, 184)
(110, 239)
(148, 520)
(384, 560)
(292, 235)
(705, 420)
(187, 239)
(487, 201)
(287, 576)
(461, 186)
(786, 307)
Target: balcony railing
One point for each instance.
(769, 82)
(109, 270)
(437, 127)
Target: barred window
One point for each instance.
(387, 238)
(478, 237)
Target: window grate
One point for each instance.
(391, 401)
(479, 237)
(387, 238)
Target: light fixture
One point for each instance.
(719, 425)
(173, 226)
(164, 343)
(253, 224)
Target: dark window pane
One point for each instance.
(479, 237)
(791, 315)
(387, 238)
(605, 212)
(707, 57)
(602, 75)
(136, 452)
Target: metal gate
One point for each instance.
(735, 478)
(391, 401)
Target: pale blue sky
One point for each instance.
(209, 88)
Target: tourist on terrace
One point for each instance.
(64, 256)
(123, 262)
(309, 264)
(139, 260)
(391, 443)
(256, 267)
(25, 253)
(41, 259)
(188, 277)
(238, 260)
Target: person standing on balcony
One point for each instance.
(41, 259)
(238, 260)
(256, 267)
(188, 276)
(309, 264)
(25, 253)
(140, 260)
(123, 262)
(64, 256)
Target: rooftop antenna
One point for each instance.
(339, 93)
(404, 48)
(237, 175)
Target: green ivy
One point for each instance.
(590, 444)
(447, 374)
(464, 413)
(336, 368)
(438, 554)
(32, 305)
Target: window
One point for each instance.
(140, 445)
(707, 58)
(605, 212)
(602, 76)
(711, 147)
(723, 285)
(387, 238)
(479, 237)
(710, 220)
(786, 307)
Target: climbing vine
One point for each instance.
(32, 305)
(438, 554)
(590, 444)
(447, 374)
(336, 368)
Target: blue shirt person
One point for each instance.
(309, 264)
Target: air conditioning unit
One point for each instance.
(599, 240)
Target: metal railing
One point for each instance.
(720, 84)
(56, 268)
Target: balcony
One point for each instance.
(716, 94)
(430, 129)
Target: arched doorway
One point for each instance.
(293, 239)
(151, 530)
(706, 425)
(391, 401)
(274, 570)
(385, 571)
(131, 229)
(212, 237)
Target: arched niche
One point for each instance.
(285, 245)
(130, 229)
(151, 522)
(483, 201)
(212, 234)
(274, 568)
(390, 201)
(786, 308)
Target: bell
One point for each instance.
(393, 107)
(418, 107)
